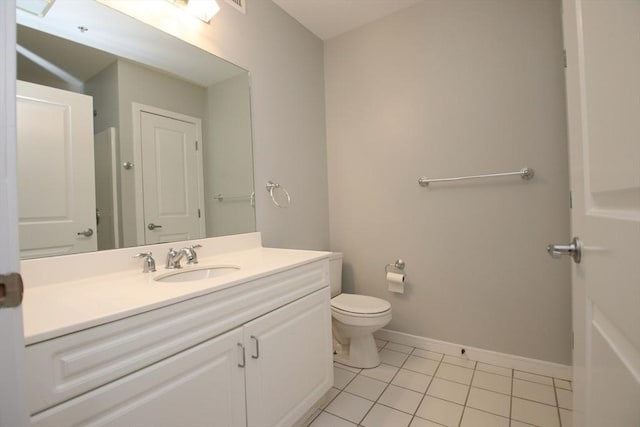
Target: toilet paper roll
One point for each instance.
(395, 282)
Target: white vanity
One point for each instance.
(109, 345)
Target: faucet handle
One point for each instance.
(149, 263)
(173, 259)
(191, 255)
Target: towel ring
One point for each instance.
(271, 186)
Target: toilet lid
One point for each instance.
(360, 304)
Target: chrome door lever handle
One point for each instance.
(86, 233)
(153, 226)
(574, 250)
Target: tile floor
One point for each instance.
(420, 388)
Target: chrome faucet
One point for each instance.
(188, 252)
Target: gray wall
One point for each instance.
(287, 101)
(451, 88)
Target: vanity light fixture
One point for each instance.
(35, 7)
(201, 9)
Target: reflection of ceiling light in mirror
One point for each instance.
(201, 9)
(36, 7)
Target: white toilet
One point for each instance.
(355, 318)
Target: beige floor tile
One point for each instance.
(330, 395)
(448, 390)
(401, 399)
(489, 401)
(380, 343)
(349, 406)
(565, 398)
(419, 364)
(534, 413)
(562, 384)
(399, 347)
(440, 411)
(534, 391)
(326, 419)
(419, 422)
(493, 382)
(412, 380)
(427, 354)
(532, 377)
(454, 373)
(382, 416)
(383, 372)
(515, 423)
(566, 417)
(474, 418)
(391, 357)
(347, 368)
(366, 387)
(460, 361)
(507, 372)
(341, 377)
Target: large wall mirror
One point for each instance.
(126, 135)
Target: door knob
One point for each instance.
(574, 250)
(153, 226)
(86, 233)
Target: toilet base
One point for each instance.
(361, 352)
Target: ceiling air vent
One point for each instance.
(240, 5)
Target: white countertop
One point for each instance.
(69, 306)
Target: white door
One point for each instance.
(106, 164)
(13, 400)
(602, 40)
(171, 178)
(56, 190)
(295, 339)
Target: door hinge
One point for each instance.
(11, 290)
(565, 57)
(198, 212)
(196, 145)
(570, 200)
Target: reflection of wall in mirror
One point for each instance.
(228, 154)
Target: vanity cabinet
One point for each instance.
(258, 355)
(286, 361)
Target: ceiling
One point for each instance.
(330, 18)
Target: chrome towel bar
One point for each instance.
(235, 198)
(525, 173)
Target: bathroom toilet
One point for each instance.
(354, 320)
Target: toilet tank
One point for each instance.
(335, 273)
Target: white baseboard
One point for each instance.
(520, 363)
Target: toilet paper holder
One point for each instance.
(399, 265)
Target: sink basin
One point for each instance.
(197, 273)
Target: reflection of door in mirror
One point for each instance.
(55, 182)
(172, 183)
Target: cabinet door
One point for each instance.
(289, 361)
(201, 386)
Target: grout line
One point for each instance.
(424, 395)
(466, 400)
(555, 393)
(511, 397)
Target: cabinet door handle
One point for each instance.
(257, 355)
(243, 364)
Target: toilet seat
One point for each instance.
(360, 305)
